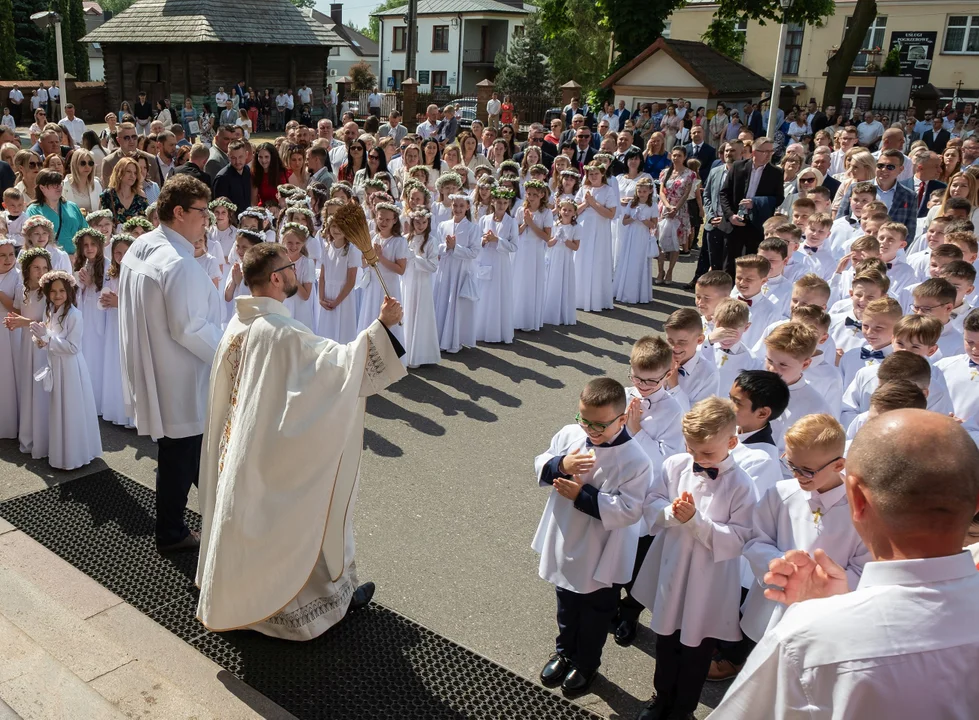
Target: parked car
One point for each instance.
(466, 109)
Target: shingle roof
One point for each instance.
(361, 44)
(719, 74)
(451, 7)
(252, 22)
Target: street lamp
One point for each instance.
(44, 20)
(777, 80)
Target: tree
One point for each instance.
(576, 41)
(115, 6)
(374, 25)
(304, 3)
(30, 38)
(635, 24)
(8, 49)
(62, 8)
(77, 47)
(722, 36)
(838, 67)
(362, 76)
(523, 67)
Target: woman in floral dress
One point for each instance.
(676, 183)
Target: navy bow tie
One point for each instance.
(852, 220)
(867, 354)
(850, 322)
(683, 373)
(810, 248)
(973, 364)
(743, 299)
(889, 265)
(710, 472)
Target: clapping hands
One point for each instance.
(684, 507)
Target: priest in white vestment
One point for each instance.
(279, 467)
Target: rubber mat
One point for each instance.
(374, 665)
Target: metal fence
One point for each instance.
(887, 114)
(532, 108)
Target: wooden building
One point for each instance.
(179, 48)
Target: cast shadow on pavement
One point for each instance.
(415, 388)
(480, 359)
(381, 407)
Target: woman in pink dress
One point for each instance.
(676, 184)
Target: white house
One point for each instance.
(94, 17)
(457, 42)
(361, 49)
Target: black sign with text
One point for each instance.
(917, 51)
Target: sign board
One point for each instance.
(917, 50)
(441, 89)
(424, 77)
(391, 82)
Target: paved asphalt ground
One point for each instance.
(448, 502)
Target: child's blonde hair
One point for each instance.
(921, 328)
(965, 241)
(795, 339)
(811, 282)
(866, 243)
(819, 432)
(895, 227)
(684, 319)
(651, 353)
(886, 307)
(732, 313)
(872, 277)
(813, 316)
(823, 220)
(710, 418)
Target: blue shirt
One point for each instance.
(886, 196)
(67, 222)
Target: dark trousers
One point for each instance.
(15, 112)
(742, 241)
(286, 117)
(681, 672)
(629, 607)
(736, 651)
(582, 623)
(178, 464)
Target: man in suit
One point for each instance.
(195, 166)
(901, 203)
(822, 158)
(584, 153)
(754, 120)
(126, 137)
(535, 138)
(755, 189)
(816, 117)
(893, 139)
(218, 158)
(927, 170)
(716, 228)
(577, 121)
(700, 150)
(937, 137)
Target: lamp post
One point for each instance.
(44, 20)
(777, 79)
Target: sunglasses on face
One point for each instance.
(33, 165)
(807, 181)
(87, 163)
(886, 166)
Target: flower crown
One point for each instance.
(223, 202)
(288, 190)
(446, 178)
(459, 196)
(536, 185)
(252, 234)
(419, 213)
(76, 240)
(295, 227)
(97, 215)
(253, 212)
(376, 183)
(31, 254)
(137, 222)
(301, 209)
(123, 237)
(37, 221)
(504, 193)
(49, 277)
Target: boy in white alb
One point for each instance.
(822, 372)
(810, 289)
(749, 276)
(892, 237)
(808, 512)
(777, 287)
(788, 352)
(935, 297)
(877, 327)
(863, 248)
(848, 228)
(940, 257)
(694, 376)
(700, 508)
(962, 372)
(13, 213)
(711, 288)
(797, 262)
(731, 355)
(962, 277)
(820, 258)
(845, 328)
(589, 529)
(894, 394)
(934, 236)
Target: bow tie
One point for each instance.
(810, 248)
(683, 373)
(852, 220)
(710, 472)
(973, 364)
(867, 354)
(889, 265)
(744, 300)
(850, 322)
(725, 350)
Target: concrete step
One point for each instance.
(85, 632)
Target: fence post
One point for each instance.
(484, 91)
(409, 89)
(569, 90)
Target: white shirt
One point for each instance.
(170, 326)
(762, 312)
(753, 182)
(16, 95)
(822, 373)
(374, 100)
(869, 133)
(659, 429)
(779, 291)
(54, 92)
(42, 94)
(902, 645)
(853, 360)
(290, 101)
(846, 336)
(731, 362)
(493, 107)
(804, 399)
(305, 95)
(856, 398)
(697, 380)
(8, 121)
(426, 129)
(75, 128)
(950, 342)
(962, 379)
(221, 98)
(821, 260)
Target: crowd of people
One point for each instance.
(833, 288)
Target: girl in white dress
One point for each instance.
(113, 409)
(11, 291)
(421, 333)
(32, 401)
(302, 305)
(207, 261)
(512, 183)
(73, 424)
(392, 259)
(39, 233)
(558, 165)
(494, 271)
(570, 185)
(593, 262)
(448, 184)
(101, 220)
(91, 270)
(455, 285)
(221, 235)
(534, 223)
(338, 275)
(633, 268)
(234, 287)
(482, 204)
(559, 294)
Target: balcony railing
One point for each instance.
(478, 56)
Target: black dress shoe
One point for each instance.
(191, 542)
(625, 633)
(362, 596)
(577, 683)
(555, 671)
(654, 711)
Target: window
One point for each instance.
(873, 39)
(741, 33)
(399, 77)
(439, 79)
(518, 31)
(856, 97)
(440, 38)
(793, 49)
(962, 34)
(666, 29)
(400, 36)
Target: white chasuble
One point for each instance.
(279, 471)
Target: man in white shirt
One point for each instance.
(170, 326)
(16, 103)
(220, 97)
(493, 109)
(374, 103)
(869, 131)
(73, 124)
(428, 128)
(305, 95)
(54, 96)
(280, 109)
(42, 97)
(847, 140)
(893, 139)
(290, 105)
(901, 644)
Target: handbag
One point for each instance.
(668, 232)
(194, 127)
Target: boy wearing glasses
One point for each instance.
(809, 512)
(935, 297)
(589, 530)
(700, 507)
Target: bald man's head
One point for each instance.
(919, 471)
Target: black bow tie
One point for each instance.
(850, 322)
(810, 248)
(867, 354)
(743, 299)
(682, 372)
(710, 472)
(973, 364)
(852, 220)
(889, 265)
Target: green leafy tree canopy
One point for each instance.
(522, 67)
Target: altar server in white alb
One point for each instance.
(535, 221)
(280, 462)
(699, 508)
(731, 355)
(169, 328)
(903, 643)
(809, 511)
(588, 533)
(495, 270)
(456, 290)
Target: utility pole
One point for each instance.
(411, 39)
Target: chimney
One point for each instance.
(336, 12)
